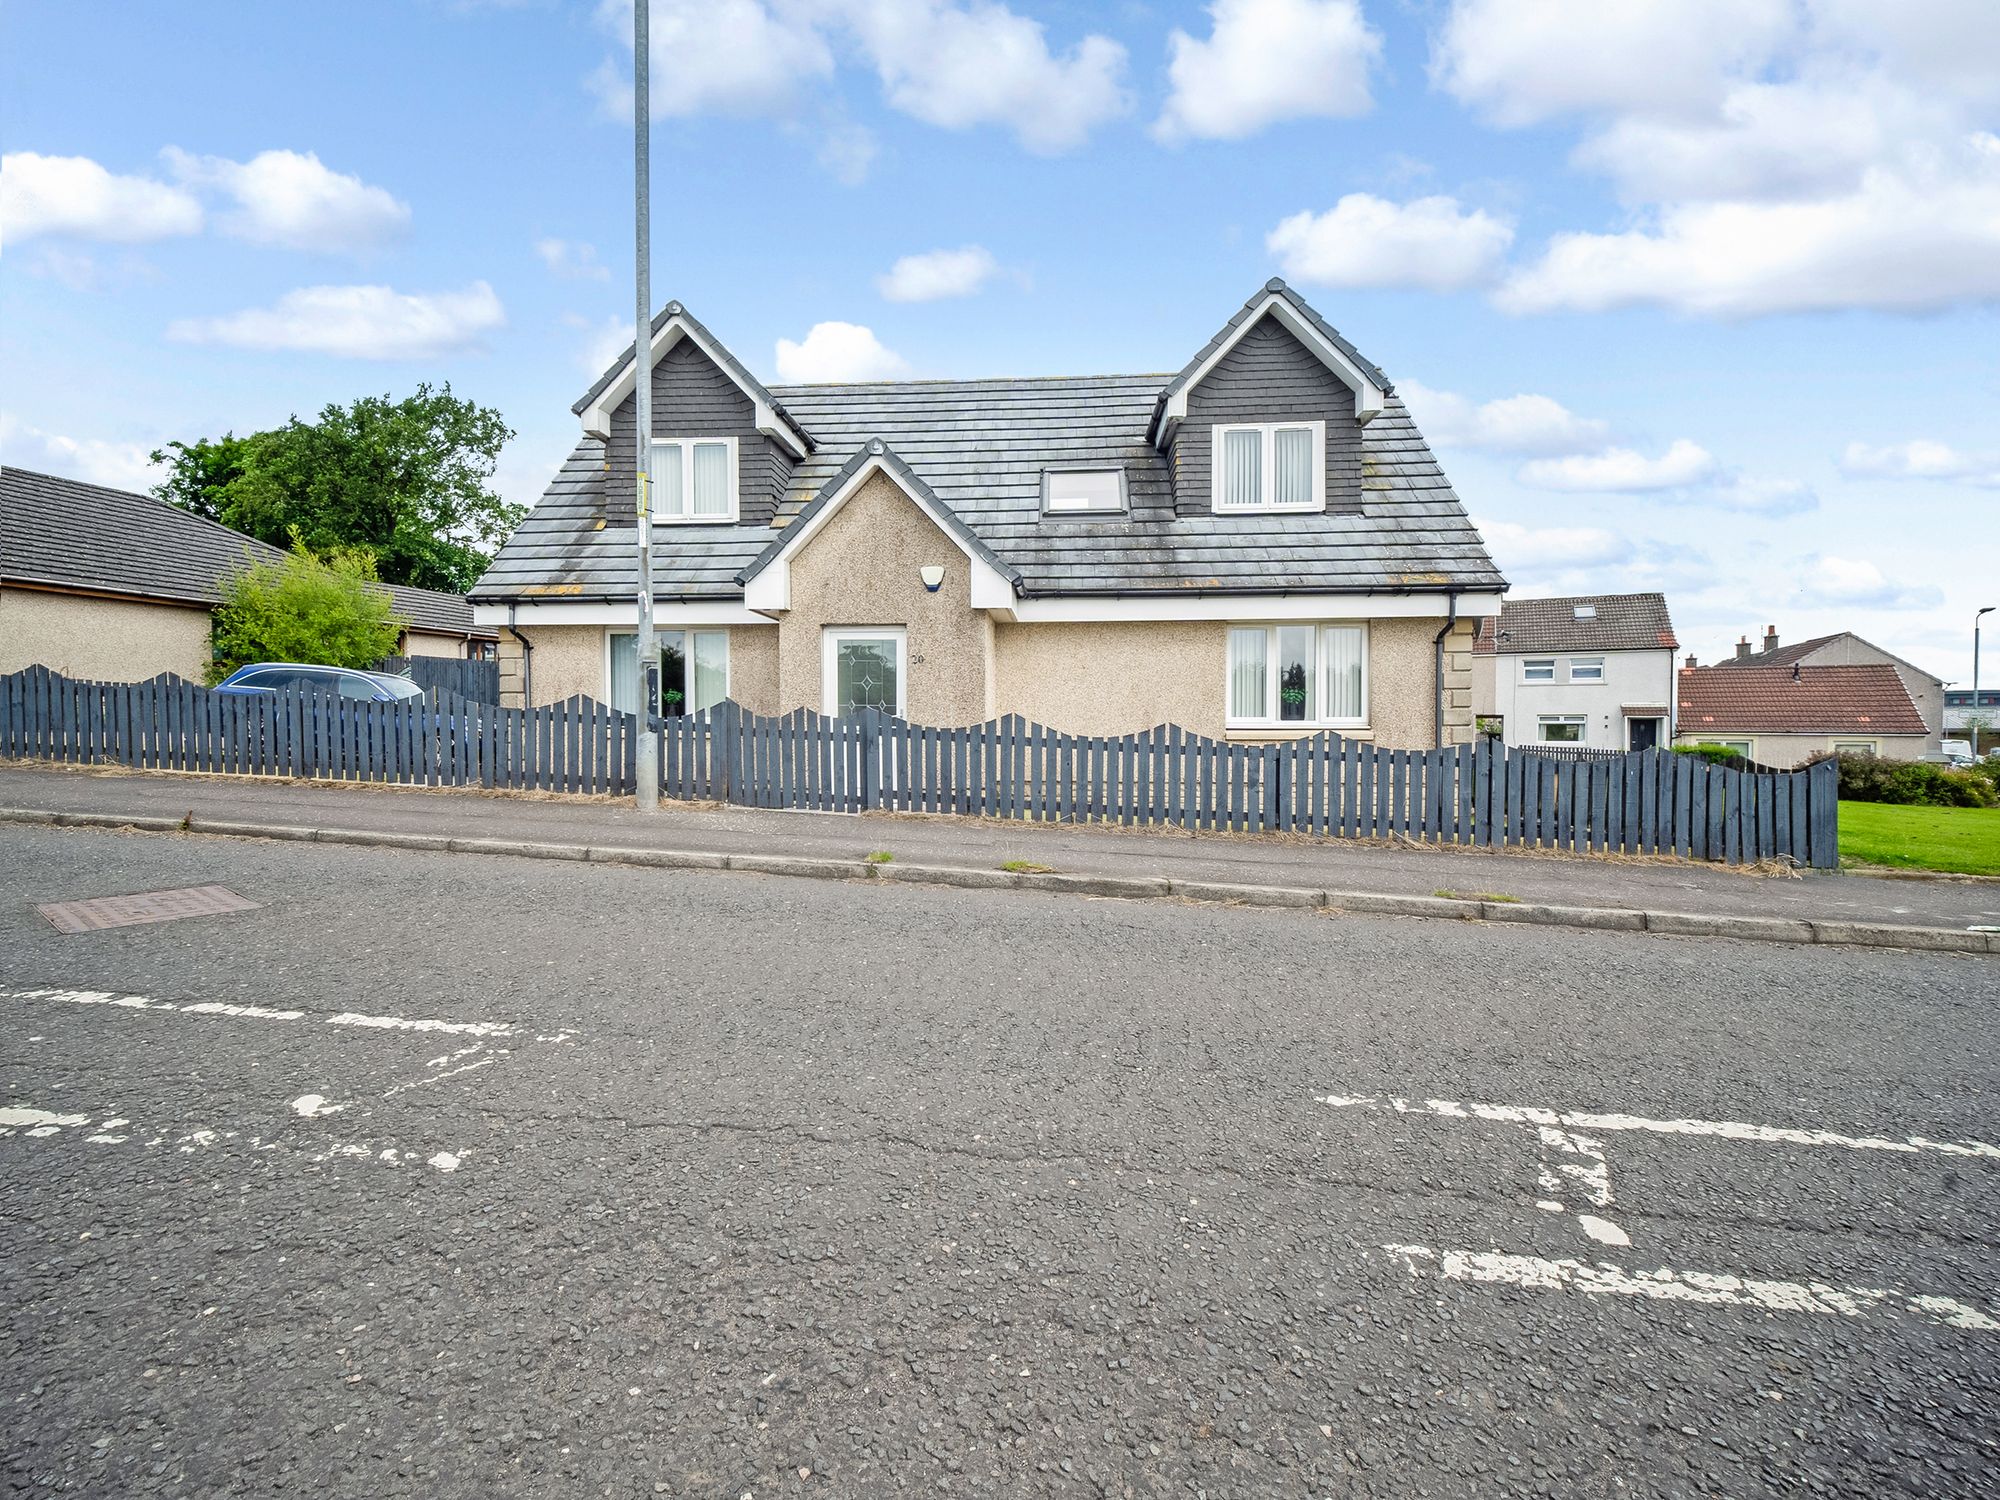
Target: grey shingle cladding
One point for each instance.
(981, 446)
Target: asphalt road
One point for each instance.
(441, 1175)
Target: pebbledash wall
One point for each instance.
(101, 639)
(864, 569)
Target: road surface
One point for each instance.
(446, 1175)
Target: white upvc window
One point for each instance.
(1083, 490)
(1305, 675)
(694, 670)
(1741, 747)
(694, 479)
(1270, 466)
(1586, 669)
(1561, 729)
(1538, 669)
(1853, 747)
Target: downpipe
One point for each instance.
(1437, 657)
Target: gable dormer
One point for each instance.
(724, 449)
(1267, 419)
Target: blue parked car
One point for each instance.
(343, 682)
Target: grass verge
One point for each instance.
(1952, 840)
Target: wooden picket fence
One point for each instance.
(1484, 795)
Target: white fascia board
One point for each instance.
(1255, 607)
(597, 415)
(771, 590)
(1368, 396)
(579, 612)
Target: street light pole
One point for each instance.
(646, 757)
(1972, 720)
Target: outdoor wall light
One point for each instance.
(933, 576)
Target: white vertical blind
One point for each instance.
(711, 665)
(711, 479)
(1292, 466)
(625, 673)
(1342, 648)
(1248, 666)
(667, 479)
(1242, 467)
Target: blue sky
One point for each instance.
(1689, 294)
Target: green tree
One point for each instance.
(323, 610)
(408, 482)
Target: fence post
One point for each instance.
(1823, 798)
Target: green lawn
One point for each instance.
(1962, 840)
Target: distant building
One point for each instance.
(1595, 671)
(1783, 716)
(116, 587)
(1847, 649)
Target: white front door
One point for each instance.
(863, 668)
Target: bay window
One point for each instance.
(694, 670)
(1310, 675)
(1277, 466)
(694, 479)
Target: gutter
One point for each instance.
(527, 660)
(1437, 653)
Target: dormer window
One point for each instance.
(1082, 491)
(694, 479)
(1270, 466)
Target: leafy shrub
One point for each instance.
(327, 611)
(1917, 783)
(1720, 755)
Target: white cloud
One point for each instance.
(1532, 549)
(1769, 498)
(957, 66)
(605, 340)
(573, 260)
(948, 64)
(1900, 243)
(1266, 61)
(838, 351)
(1858, 583)
(293, 199)
(73, 195)
(938, 274)
(846, 148)
(1622, 470)
(120, 466)
(1920, 458)
(1364, 240)
(356, 322)
(1523, 61)
(1512, 424)
(725, 57)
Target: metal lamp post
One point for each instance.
(646, 756)
(1972, 719)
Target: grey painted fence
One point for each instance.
(476, 680)
(1645, 802)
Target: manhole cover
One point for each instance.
(151, 906)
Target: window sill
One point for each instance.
(729, 520)
(1292, 729)
(1307, 509)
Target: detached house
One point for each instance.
(1261, 545)
(1784, 716)
(1846, 649)
(1595, 671)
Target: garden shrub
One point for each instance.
(1917, 783)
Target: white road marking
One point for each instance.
(116, 1001)
(38, 1122)
(42, 1123)
(1731, 1130)
(1604, 1279)
(1602, 1230)
(313, 1105)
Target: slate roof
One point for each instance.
(1784, 656)
(1621, 622)
(64, 533)
(1796, 700)
(981, 446)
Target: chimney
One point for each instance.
(1770, 638)
(1743, 648)
(1691, 661)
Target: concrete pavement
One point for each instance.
(1546, 879)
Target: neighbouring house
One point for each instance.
(1847, 649)
(116, 587)
(1783, 716)
(1595, 671)
(1976, 722)
(1261, 545)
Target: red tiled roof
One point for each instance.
(1817, 700)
